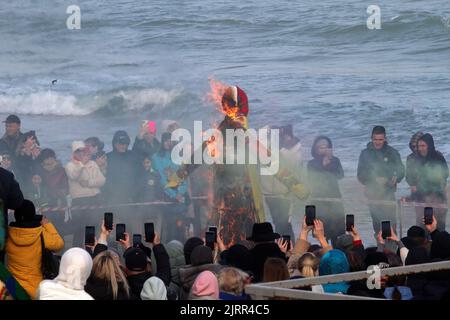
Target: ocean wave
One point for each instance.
(60, 104)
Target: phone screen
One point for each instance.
(349, 222)
(310, 213)
(120, 230)
(288, 239)
(385, 229)
(89, 235)
(213, 229)
(108, 220)
(137, 239)
(149, 232)
(428, 215)
(210, 239)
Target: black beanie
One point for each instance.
(135, 259)
(201, 255)
(189, 246)
(26, 212)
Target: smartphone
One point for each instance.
(137, 239)
(38, 217)
(210, 239)
(120, 230)
(213, 229)
(89, 236)
(385, 229)
(149, 232)
(428, 215)
(349, 222)
(108, 220)
(310, 213)
(287, 238)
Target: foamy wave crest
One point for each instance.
(54, 103)
(41, 103)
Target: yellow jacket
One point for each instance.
(24, 252)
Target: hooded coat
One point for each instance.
(412, 161)
(324, 183)
(432, 172)
(24, 250)
(334, 262)
(123, 171)
(74, 270)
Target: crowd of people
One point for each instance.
(175, 268)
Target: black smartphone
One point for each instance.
(108, 218)
(428, 215)
(89, 236)
(137, 239)
(210, 239)
(38, 217)
(149, 232)
(310, 213)
(120, 230)
(213, 229)
(287, 238)
(349, 222)
(385, 229)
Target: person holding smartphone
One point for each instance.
(324, 172)
(146, 142)
(380, 169)
(431, 183)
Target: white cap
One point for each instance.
(78, 145)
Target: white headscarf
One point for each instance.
(75, 269)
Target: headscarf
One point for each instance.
(334, 262)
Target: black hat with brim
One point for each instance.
(263, 232)
(12, 118)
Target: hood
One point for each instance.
(154, 289)
(414, 139)
(432, 153)
(206, 284)
(176, 255)
(333, 262)
(23, 237)
(74, 259)
(316, 140)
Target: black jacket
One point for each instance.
(10, 193)
(137, 281)
(142, 147)
(259, 255)
(385, 163)
(124, 170)
(100, 289)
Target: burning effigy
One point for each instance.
(236, 190)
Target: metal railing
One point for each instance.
(286, 289)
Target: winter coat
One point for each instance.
(89, 173)
(142, 147)
(385, 163)
(100, 289)
(55, 183)
(123, 171)
(24, 250)
(10, 194)
(259, 255)
(162, 163)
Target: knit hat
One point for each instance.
(206, 285)
(135, 259)
(201, 255)
(76, 145)
(344, 242)
(189, 246)
(239, 256)
(154, 289)
(26, 212)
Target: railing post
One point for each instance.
(399, 209)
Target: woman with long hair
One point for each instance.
(107, 280)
